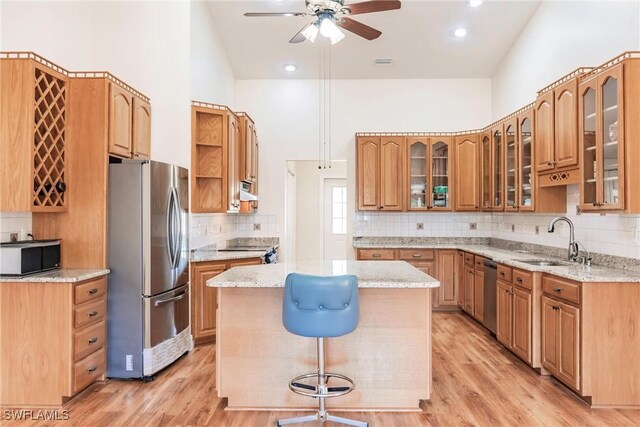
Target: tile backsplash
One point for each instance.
(14, 222)
(208, 229)
(611, 234)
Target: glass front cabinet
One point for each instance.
(429, 173)
(519, 179)
(601, 131)
(486, 172)
(497, 171)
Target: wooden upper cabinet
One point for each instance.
(368, 173)
(511, 166)
(566, 124)
(34, 145)
(120, 121)
(141, 129)
(544, 130)
(497, 168)
(486, 169)
(380, 172)
(602, 141)
(429, 173)
(526, 194)
(233, 171)
(467, 173)
(248, 147)
(392, 155)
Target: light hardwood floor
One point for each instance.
(475, 382)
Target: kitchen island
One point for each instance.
(388, 355)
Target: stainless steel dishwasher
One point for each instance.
(490, 279)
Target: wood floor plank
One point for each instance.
(476, 382)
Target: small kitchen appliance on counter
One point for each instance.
(29, 257)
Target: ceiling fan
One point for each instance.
(330, 16)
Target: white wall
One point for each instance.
(286, 115)
(146, 44)
(560, 37)
(212, 76)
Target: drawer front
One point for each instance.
(90, 291)
(88, 340)
(417, 254)
(88, 370)
(524, 279)
(561, 288)
(90, 313)
(504, 273)
(240, 262)
(376, 254)
(468, 259)
(478, 262)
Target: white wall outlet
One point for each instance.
(473, 226)
(419, 226)
(256, 227)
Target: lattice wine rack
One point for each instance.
(49, 141)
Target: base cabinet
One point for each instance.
(204, 299)
(560, 349)
(53, 340)
(441, 264)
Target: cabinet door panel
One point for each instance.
(205, 301)
(368, 159)
(467, 164)
(497, 169)
(487, 176)
(469, 291)
(521, 340)
(511, 166)
(460, 278)
(566, 124)
(141, 129)
(418, 173)
(392, 174)
(478, 303)
(569, 349)
(504, 314)
(588, 148)
(549, 330)
(120, 121)
(440, 172)
(446, 275)
(526, 178)
(544, 130)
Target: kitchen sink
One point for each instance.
(542, 262)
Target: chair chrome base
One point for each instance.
(322, 419)
(321, 391)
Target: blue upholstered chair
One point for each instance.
(321, 307)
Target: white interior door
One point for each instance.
(335, 219)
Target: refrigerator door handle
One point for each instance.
(177, 238)
(172, 299)
(170, 226)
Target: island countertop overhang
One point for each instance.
(370, 274)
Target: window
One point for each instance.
(339, 211)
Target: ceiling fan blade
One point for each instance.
(358, 28)
(372, 6)
(268, 14)
(299, 38)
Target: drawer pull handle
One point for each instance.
(557, 289)
(376, 255)
(417, 255)
(93, 340)
(92, 369)
(93, 314)
(555, 307)
(519, 279)
(93, 291)
(502, 273)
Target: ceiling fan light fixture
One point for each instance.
(311, 32)
(329, 29)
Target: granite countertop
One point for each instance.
(370, 274)
(573, 271)
(63, 275)
(211, 253)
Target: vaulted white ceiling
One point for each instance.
(418, 37)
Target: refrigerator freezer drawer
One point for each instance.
(166, 315)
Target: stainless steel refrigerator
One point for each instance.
(148, 306)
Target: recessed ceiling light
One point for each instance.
(460, 32)
(475, 3)
(290, 68)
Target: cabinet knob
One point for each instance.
(519, 279)
(93, 314)
(93, 340)
(93, 291)
(92, 369)
(417, 255)
(557, 290)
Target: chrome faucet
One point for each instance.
(572, 253)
